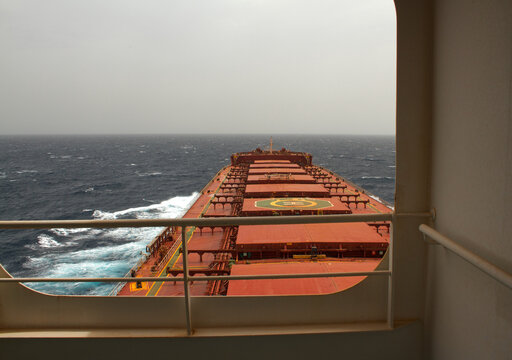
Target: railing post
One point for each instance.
(391, 310)
(186, 280)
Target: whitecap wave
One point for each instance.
(376, 177)
(116, 252)
(67, 232)
(3, 175)
(155, 173)
(27, 172)
(380, 200)
(46, 241)
(171, 208)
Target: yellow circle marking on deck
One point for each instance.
(294, 202)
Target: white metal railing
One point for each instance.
(474, 259)
(224, 221)
(201, 278)
(227, 221)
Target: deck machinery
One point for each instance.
(268, 183)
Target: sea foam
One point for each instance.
(118, 250)
(46, 241)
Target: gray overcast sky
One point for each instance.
(189, 66)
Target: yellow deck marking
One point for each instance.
(374, 208)
(319, 256)
(133, 286)
(293, 202)
(191, 235)
(170, 259)
(161, 286)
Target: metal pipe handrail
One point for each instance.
(201, 278)
(225, 221)
(474, 259)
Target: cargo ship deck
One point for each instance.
(268, 183)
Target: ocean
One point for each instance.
(125, 177)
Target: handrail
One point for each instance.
(224, 221)
(482, 264)
(201, 278)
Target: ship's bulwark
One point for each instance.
(261, 183)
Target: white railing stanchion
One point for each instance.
(186, 279)
(391, 298)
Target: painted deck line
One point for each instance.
(188, 236)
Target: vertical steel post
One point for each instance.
(391, 310)
(185, 278)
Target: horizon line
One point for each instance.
(189, 134)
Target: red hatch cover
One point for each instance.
(307, 233)
(297, 286)
(277, 170)
(280, 178)
(286, 190)
(284, 166)
(272, 161)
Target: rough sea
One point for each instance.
(124, 177)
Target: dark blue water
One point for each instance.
(108, 177)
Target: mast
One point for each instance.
(271, 144)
